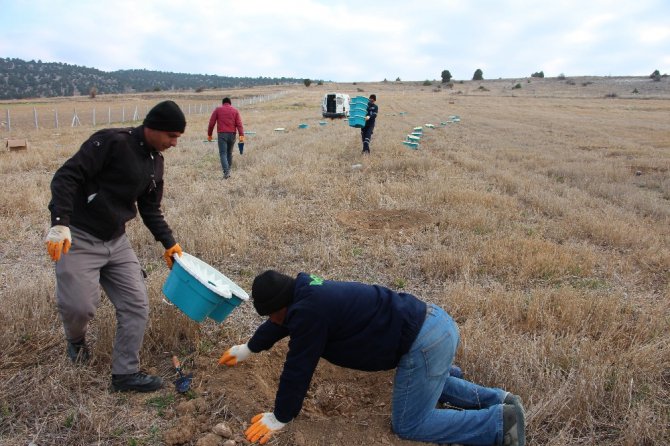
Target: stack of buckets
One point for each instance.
(200, 291)
(358, 109)
(413, 138)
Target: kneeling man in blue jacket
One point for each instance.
(372, 328)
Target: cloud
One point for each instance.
(345, 40)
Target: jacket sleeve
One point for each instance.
(308, 340)
(212, 122)
(238, 124)
(71, 178)
(266, 335)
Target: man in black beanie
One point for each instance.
(372, 328)
(116, 173)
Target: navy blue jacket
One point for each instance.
(350, 324)
(372, 111)
(101, 187)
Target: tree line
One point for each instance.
(21, 79)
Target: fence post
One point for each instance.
(75, 119)
(9, 122)
(35, 115)
(56, 117)
(123, 115)
(109, 115)
(93, 116)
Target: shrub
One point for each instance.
(478, 76)
(446, 76)
(561, 77)
(307, 82)
(427, 83)
(538, 74)
(518, 85)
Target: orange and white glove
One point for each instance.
(170, 252)
(58, 241)
(262, 427)
(209, 137)
(235, 355)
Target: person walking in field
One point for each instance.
(228, 122)
(372, 328)
(369, 127)
(115, 173)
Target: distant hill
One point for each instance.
(21, 79)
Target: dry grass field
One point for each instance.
(540, 221)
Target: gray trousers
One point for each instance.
(92, 263)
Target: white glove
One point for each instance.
(235, 354)
(367, 118)
(262, 427)
(58, 241)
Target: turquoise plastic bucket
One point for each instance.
(198, 289)
(226, 306)
(356, 121)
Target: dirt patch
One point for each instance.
(380, 219)
(342, 406)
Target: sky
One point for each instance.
(345, 41)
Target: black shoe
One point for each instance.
(226, 176)
(78, 352)
(138, 382)
(514, 426)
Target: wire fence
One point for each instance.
(61, 115)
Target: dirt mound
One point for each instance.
(379, 219)
(342, 406)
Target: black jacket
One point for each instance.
(350, 324)
(99, 189)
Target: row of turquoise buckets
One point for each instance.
(358, 109)
(413, 139)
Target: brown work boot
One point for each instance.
(138, 382)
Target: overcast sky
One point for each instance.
(345, 41)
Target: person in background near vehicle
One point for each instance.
(369, 127)
(228, 121)
(115, 172)
(372, 328)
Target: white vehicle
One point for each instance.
(335, 105)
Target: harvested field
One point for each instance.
(540, 221)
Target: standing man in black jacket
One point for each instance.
(369, 127)
(115, 173)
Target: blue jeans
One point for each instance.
(422, 380)
(226, 142)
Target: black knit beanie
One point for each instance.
(166, 116)
(272, 291)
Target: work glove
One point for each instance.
(240, 145)
(209, 138)
(262, 427)
(367, 118)
(58, 241)
(170, 252)
(235, 354)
